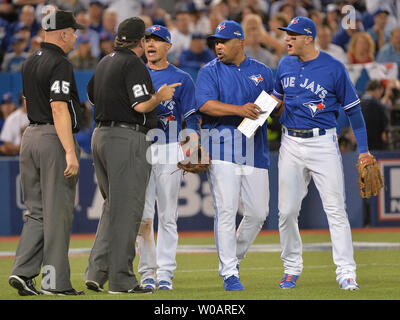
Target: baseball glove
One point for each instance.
(370, 180)
(198, 161)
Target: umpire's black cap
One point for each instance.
(59, 19)
(131, 29)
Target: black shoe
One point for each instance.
(25, 286)
(71, 292)
(94, 286)
(137, 289)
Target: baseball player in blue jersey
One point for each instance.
(157, 264)
(313, 86)
(226, 88)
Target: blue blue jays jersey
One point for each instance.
(313, 91)
(230, 84)
(171, 113)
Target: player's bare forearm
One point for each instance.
(279, 107)
(217, 109)
(166, 92)
(63, 126)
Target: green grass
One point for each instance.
(196, 278)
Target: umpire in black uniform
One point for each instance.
(124, 102)
(49, 162)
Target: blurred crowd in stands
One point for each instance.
(373, 35)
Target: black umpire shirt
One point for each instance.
(47, 75)
(120, 82)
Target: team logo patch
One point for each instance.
(221, 27)
(256, 79)
(166, 118)
(315, 106)
(294, 21)
(308, 31)
(155, 29)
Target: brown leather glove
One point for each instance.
(370, 179)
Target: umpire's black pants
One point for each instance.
(122, 172)
(49, 198)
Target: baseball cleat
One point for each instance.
(233, 284)
(25, 286)
(149, 283)
(70, 292)
(164, 285)
(288, 281)
(349, 284)
(137, 289)
(94, 286)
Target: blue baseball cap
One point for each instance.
(228, 30)
(159, 31)
(302, 25)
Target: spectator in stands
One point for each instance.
(361, 48)
(276, 46)
(324, 42)
(3, 37)
(26, 18)
(110, 21)
(95, 12)
(24, 32)
(181, 36)
(390, 52)
(377, 31)
(200, 21)
(332, 17)
(129, 8)
(84, 136)
(347, 141)
(343, 36)
(106, 43)
(288, 10)
(275, 22)
(317, 17)
(197, 55)
(376, 116)
(36, 41)
(12, 131)
(296, 4)
(13, 60)
(253, 48)
(7, 106)
(68, 5)
(82, 18)
(82, 58)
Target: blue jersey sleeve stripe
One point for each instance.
(187, 114)
(352, 104)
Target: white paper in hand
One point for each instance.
(267, 104)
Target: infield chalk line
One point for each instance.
(188, 249)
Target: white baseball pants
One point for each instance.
(158, 262)
(319, 158)
(230, 182)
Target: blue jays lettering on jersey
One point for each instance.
(183, 102)
(314, 91)
(230, 84)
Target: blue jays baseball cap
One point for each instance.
(302, 25)
(228, 30)
(159, 31)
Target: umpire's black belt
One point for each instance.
(127, 125)
(304, 133)
(34, 123)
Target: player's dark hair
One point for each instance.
(126, 44)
